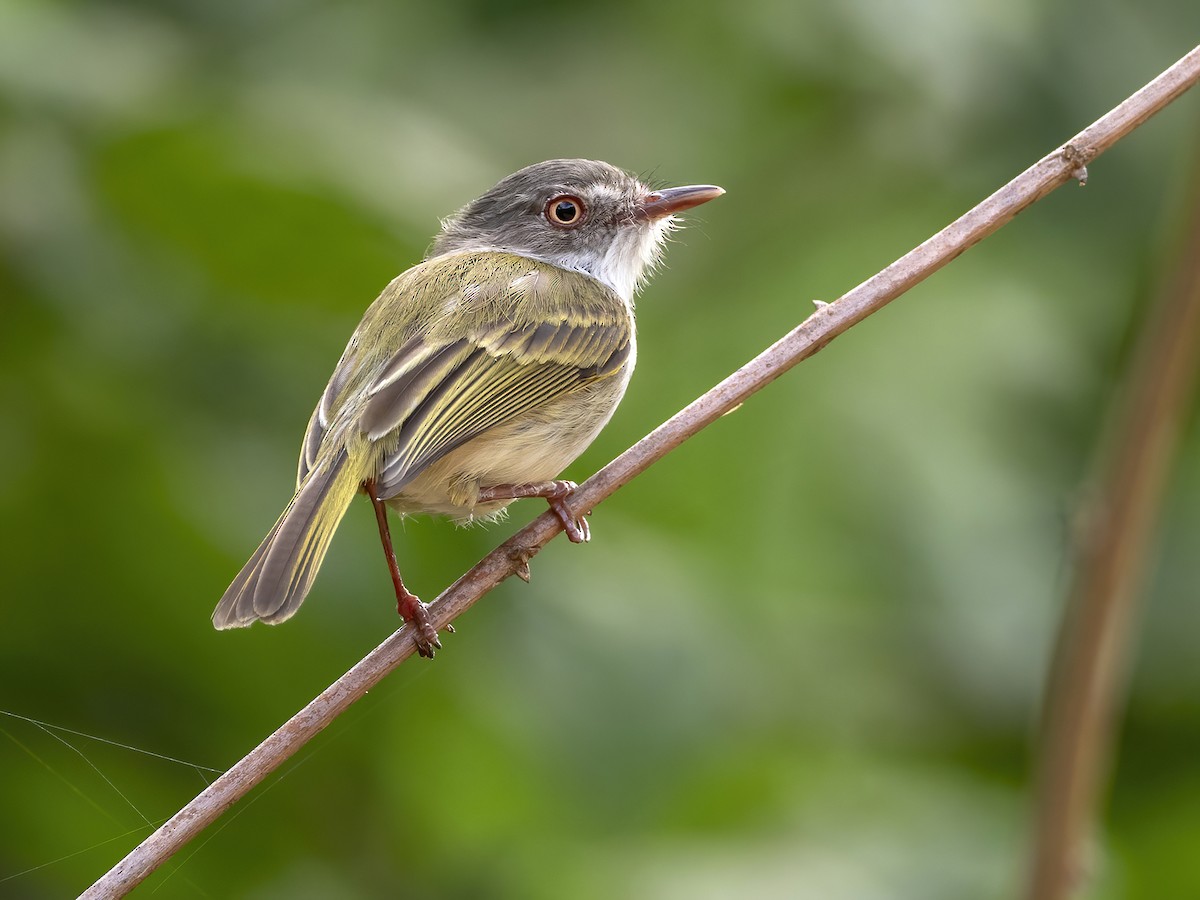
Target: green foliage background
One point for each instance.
(801, 657)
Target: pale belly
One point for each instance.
(536, 447)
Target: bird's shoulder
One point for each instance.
(472, 293)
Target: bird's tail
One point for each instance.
(273, 584)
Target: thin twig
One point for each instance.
(1065, 163)
(1116, 528)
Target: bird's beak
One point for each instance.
(668, 201)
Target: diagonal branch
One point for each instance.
(511, 557)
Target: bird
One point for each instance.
(476, 377)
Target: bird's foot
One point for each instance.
(416, 616)
(553, 492)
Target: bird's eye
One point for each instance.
(565, 211)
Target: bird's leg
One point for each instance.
(410, 607)
(554, 493)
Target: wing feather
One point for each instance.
(392, 403)
(434, 390)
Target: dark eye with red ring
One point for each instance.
(565, 211)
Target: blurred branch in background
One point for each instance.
(1116, 527)
(512, 556)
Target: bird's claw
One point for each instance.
(577, 528)
(416, 615)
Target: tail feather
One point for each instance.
(275, 581)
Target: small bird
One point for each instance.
(476, 377)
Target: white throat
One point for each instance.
(631, 256)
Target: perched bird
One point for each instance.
(477, 376)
